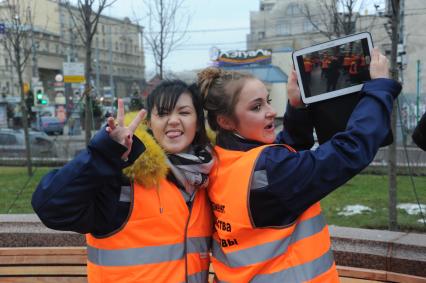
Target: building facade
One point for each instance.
(118, 64)
(283, 26)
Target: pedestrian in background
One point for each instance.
(269, 226)
(141, 201)
(71, 125)
(419, 134)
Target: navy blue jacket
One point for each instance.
(84, 195)
(419, 134)
(292, 182)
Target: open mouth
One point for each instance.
(173, 134)
(270, 126)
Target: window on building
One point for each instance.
(266, 6)
(308, 26)
(261, 35)
(293, 9)
(103, 42)
(283, 28)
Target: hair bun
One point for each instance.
(210, 73)
(206, 78)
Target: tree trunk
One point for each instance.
(25, 122)
(87, 91)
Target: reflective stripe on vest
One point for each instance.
(243, 253)
(198, 277)
(146, 255)
(151, 245)
(269, 250)
(300, 273)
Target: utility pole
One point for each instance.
(66, 30)
(98, 80)
(33, 50)
(34, 71)
(110, 68)
(419, 70)
(397, 9)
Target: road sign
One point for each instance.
(73, 72)
(26, 87)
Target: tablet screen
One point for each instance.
(335, 68)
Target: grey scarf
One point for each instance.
(191, 169)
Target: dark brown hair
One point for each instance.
(165, 96)
(220, 90)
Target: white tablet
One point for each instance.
(333, 68)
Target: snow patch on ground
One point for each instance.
(412, 208)
(350, 210)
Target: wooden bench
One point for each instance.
(68, 265)
(45, 264)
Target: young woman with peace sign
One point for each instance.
(139, 197)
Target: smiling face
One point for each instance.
(254, 114)
(175, 130)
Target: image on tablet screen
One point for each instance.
(335, 68)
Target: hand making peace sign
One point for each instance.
(121, 134)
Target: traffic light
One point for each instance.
(40, 98)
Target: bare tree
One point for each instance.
(396, 37)
(335, 18)
(17, 42)
(166, 29)
(86, 18)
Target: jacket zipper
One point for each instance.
(185, 250)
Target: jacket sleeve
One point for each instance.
(295, 181)
(83, 195)
(419, 134)
(297, 129)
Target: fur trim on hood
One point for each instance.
(150, 167)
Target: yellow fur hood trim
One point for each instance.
(150, 167)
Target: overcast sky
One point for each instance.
(230, 17)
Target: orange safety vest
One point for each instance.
(353, 70)
(308, 66)
(300, 252)
(347, 61)
(162, 241)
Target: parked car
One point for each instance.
(51, 125)
(12, 144)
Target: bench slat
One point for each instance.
(28, 271)
(43, 280)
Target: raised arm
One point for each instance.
(298, 180)
(83, 195)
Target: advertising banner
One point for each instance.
(240, 58)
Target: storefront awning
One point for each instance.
(265, 73)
